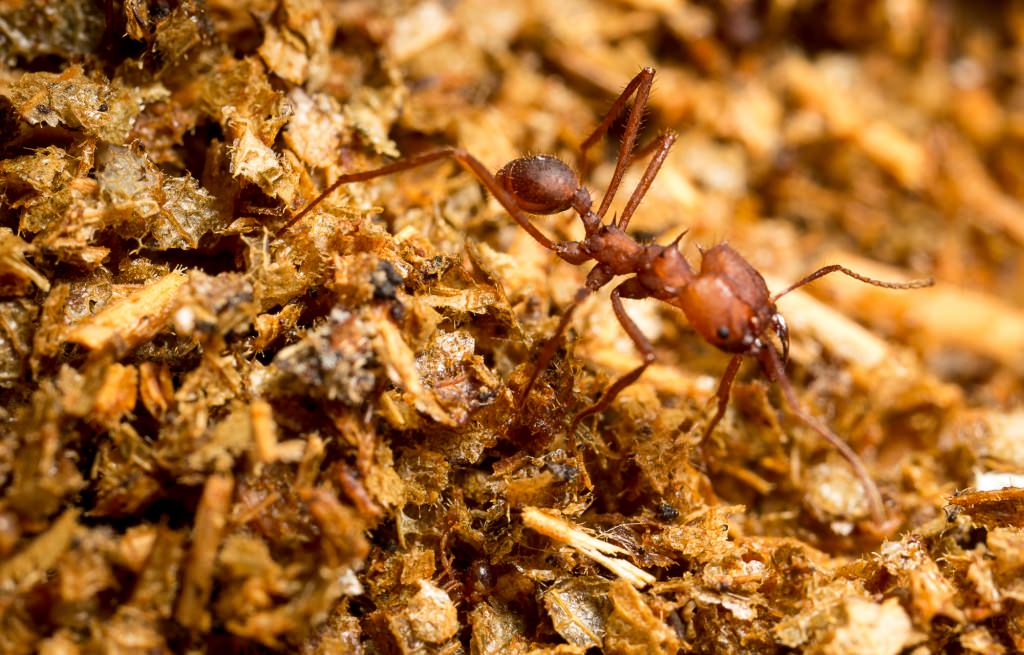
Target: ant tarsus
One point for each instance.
(727, 301)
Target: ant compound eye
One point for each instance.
(723, 333)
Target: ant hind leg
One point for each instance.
(641, 86)
(467, 161)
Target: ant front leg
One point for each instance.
(724, 389)
(631, 288)
(772, 364)
(641, 86)
(597, 278)
(470, 163)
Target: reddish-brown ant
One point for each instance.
(727, 301)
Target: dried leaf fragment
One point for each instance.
(871, 629)
(996, 507)
(633, 628)
(239, 95)
(116, 395)
(400, 363)
(431, 614)
(578, 608)
(334, 361)
(995, 440)
(128, 322)
(39, 172)
(37, 28)
(601, 552)
(32, 562)
(931, 593)
(19, 319)
(497, 630)
(255, 162)
(144, 203)
(317, 128)
(72, 98)
(341, 527)
(211, 519)
(284, 53)
(372, 111)
(14, 264)
(425, 24)
(179, 33)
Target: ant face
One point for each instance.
(728, 303)
(752, 339)
(721, 317)
(727, 319)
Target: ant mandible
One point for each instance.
(727, 301)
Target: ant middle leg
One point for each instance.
(631, 288)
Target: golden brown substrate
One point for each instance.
(217, 436)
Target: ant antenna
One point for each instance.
(770, 360)
(836, 268)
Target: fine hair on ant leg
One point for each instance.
(726, 301)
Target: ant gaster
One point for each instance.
(727, 301)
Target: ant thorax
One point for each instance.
(728, 302)
(615, 249)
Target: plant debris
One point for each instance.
(225, 431)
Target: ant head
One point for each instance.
(738, 328)
(542, 184)
(729, 305)
(720, 316)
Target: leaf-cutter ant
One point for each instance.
(726, 301)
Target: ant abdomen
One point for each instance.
(540, 184)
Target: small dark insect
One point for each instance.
(727, 301)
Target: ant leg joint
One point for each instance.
(572, 252)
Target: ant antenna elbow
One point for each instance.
(837, 268)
